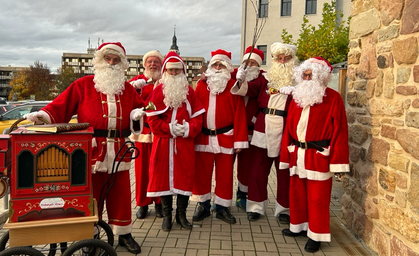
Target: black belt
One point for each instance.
(146, 125)
(319, 144)
(213, 132)
(111, 133)
(274, 112)
(250, 127)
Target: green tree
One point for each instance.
(65, 76)
(330, 40)
(36, 80)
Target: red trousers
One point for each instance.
(118, 199)
(141, 175)
(309, 207)
(205, 163)
(244, 161)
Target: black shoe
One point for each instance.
(159, 211)
(128, 242)
(253, 216)
(167, 223)
(142, 212)
(181, 220)
(312, 246)
(226, 216)
(201, 213)
(284, 218)
(287, 232)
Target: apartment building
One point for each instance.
(82, 63)
(279, 15)
(6, 74)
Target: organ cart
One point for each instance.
(51, 199)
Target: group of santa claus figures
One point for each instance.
(242, 117)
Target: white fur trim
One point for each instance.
(177, 65)
(153, 53)
(113, 47)
(224, 59)
(253, 56)
(280, 48)
(259, 207)
(279, 209)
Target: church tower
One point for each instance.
(174, 47)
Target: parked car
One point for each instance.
(5, 107)
(12, 115)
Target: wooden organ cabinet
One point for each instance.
(50, 175)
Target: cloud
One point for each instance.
(42, 30)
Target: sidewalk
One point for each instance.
(215, 237)
(263, 237)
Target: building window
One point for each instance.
(311, 6)
(263, 48)
(263, 8)
(286, 7)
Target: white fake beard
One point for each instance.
(217, 80)
(175, 89)
(308, 93)
(280, 75)
(252, 73)
(109, 79)
(155, 75)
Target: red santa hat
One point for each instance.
(153, 53)
(256, 55)
(280, 48)
(222, 56)
(173, 60)
(320, 60)
(117, 46)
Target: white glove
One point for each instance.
(287, 90)
(177, 129)
(136, 114)
(241, 74)
(34, 117)
(139, 83)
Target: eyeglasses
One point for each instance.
(218, 65)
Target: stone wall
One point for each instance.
(381, 200)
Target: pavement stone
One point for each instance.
(215, 237)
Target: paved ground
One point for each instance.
(215, 237)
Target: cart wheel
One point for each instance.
(105, 232)
(91, 247)
(21, 251)
(4, 244)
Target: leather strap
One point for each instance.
(274, 112)
(214, 132)
(318, 145)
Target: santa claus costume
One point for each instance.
(172, 162)
(314, 146)
(224, 130)
(269, 125)
(107, 102)
(144, 86)
(245, 157)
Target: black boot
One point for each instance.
(166, 202)
(182, 204)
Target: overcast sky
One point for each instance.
(32, 30)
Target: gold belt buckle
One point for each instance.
(271, 111)
(213, 132)
(110, 131)
(304, 144)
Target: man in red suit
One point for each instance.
(110, 105)
(224, 133)
(144, 84)
(254, 59)
(314, 146)
(175, 122)
(272, 92)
